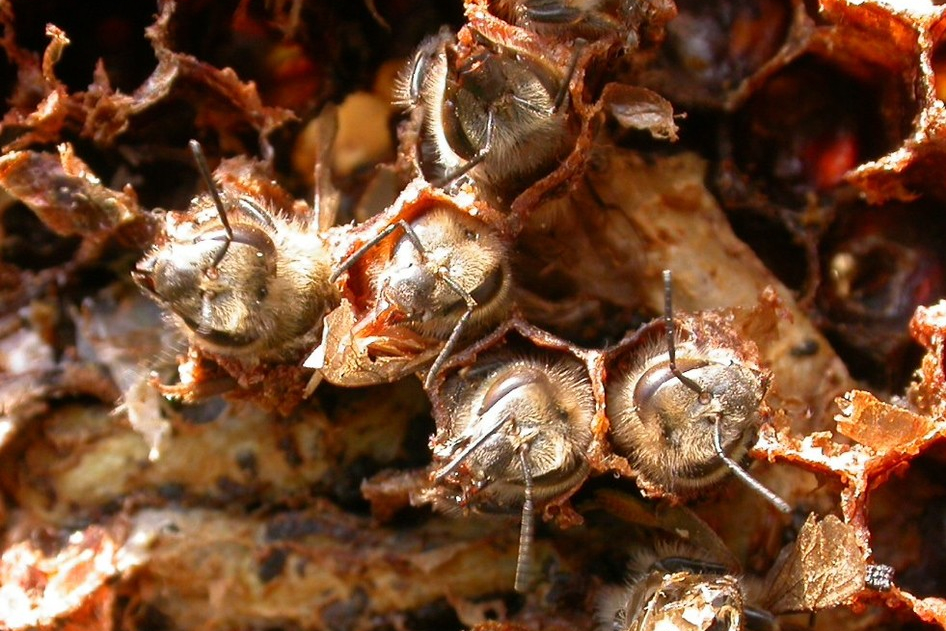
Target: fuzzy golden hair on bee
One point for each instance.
(411, 81)
(515, 434)
(490, 112)
(447, 277)
(546, 400)
(661, 425)
(455, 246)
(684, 413)
(240, 279)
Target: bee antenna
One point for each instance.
(454, 338)
(524, 577)
(743, 475)
(204, 169)
(381, 236)
(704, 395)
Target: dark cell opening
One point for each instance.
(775, 245)
(807, 127)
(908, 522)
(712, 47)
(112, 31)
(879, 264)
(26, 242)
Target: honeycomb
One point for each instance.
(782, 158)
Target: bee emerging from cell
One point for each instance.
(512, 435)
(243, 281)
(434, 279)
(684, 413)
(586, 18)
(496, 114)
(678, 586)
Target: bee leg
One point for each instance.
(569, 73)
(472, 162)
(206, 313)
(254, 211)
(454, 338)
(204, 169)
(381, 236)
(524, 575)
(743, 475)
(324, 195)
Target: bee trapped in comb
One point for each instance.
(244, 281)
(584, 18)
(511, 436)
(684, 412)
(677, 587)
(495, 114)
(443, 275)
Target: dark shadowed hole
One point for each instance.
(110, 30)
(29, 244)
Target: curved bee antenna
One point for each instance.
(204, 169)
(454, 338)
(524, 577)
(472, 162)
(743, 475)
(470, 448)
(381, 236)
(704, 396)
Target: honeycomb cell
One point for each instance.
(113, 32)
(712, 47)
(836, 122)
(908, 518)
(877, 269)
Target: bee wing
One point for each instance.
(823, 568)
(325, 195)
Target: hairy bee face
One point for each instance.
(251, 293)
(492, 113)
(504, 405)
(667, 428)
(458, 254)
(679, 600)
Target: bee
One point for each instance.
(242, 281)
(513, 434)
(447, 275)
(581, 18)
(678, 586)
(686, 413)
(488, 111)
(681, 590)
